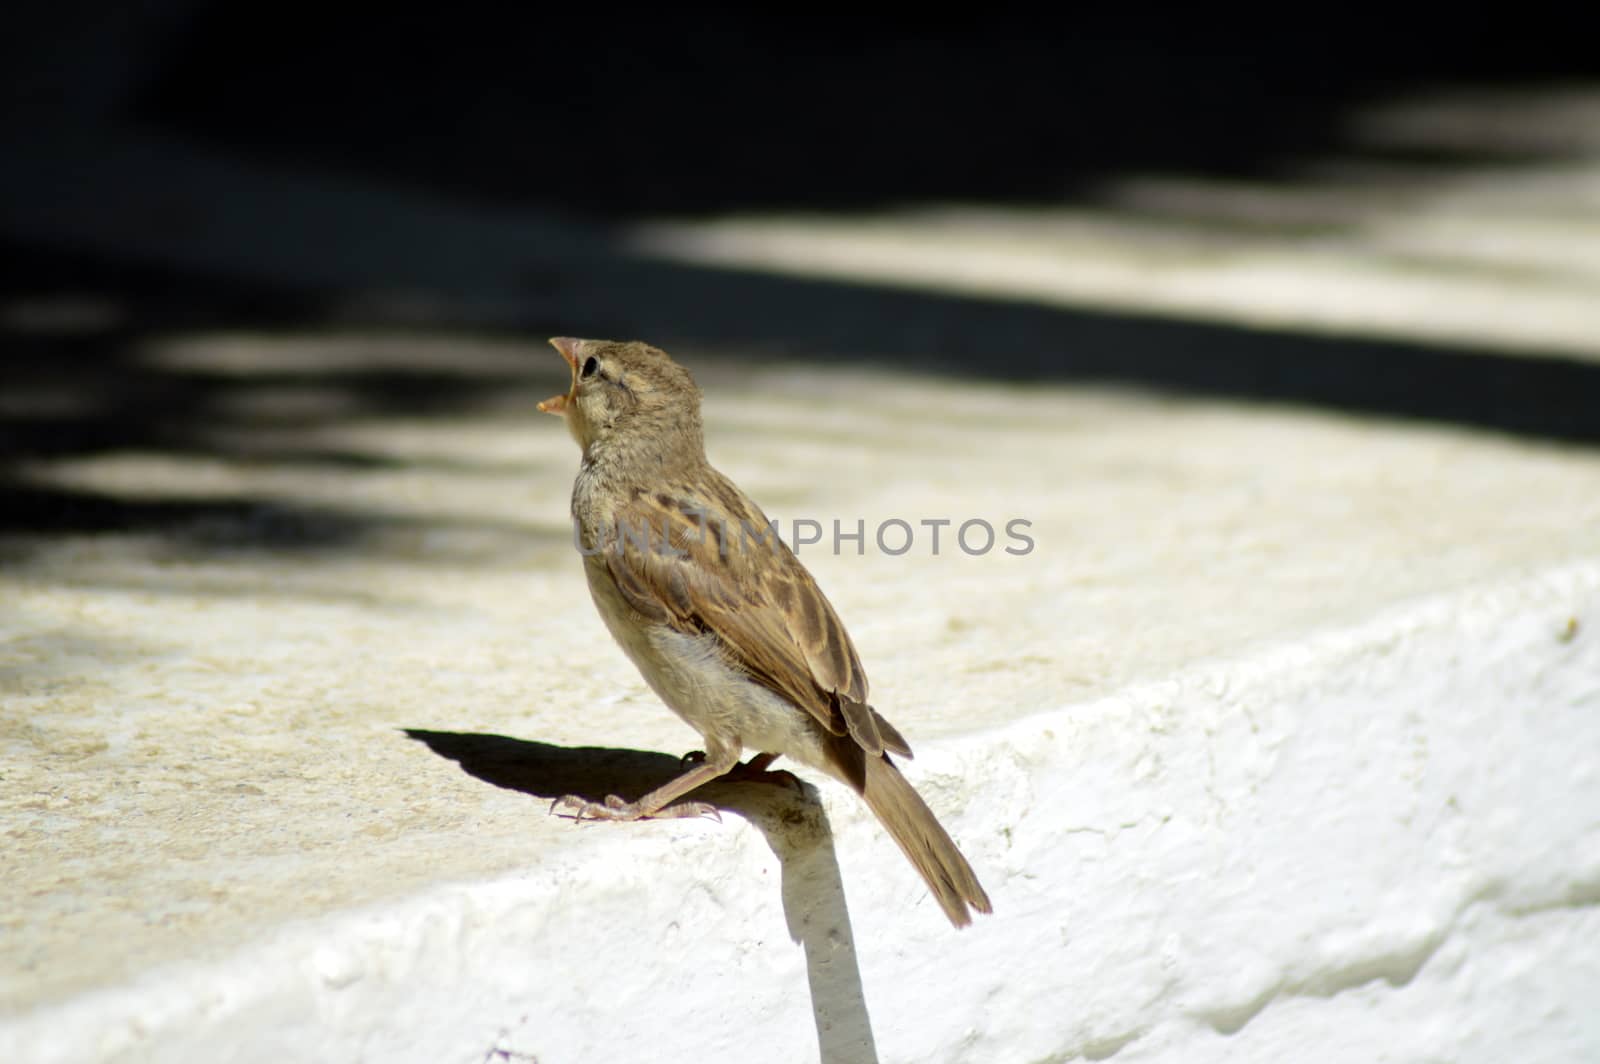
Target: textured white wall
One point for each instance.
(1383, 844)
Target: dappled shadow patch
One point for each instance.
(72, 390)
(206, 524)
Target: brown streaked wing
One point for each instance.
(758, 599)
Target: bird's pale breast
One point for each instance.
(692, 677)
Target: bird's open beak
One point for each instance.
(569, 348)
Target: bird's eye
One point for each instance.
(591, 366)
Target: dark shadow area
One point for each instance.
(661, 112)
(492, 115)
(796, 827)
(210, 523)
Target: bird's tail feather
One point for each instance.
(922, 839)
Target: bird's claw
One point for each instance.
(614, 808)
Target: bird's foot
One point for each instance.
(613, 808)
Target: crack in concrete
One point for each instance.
(1106, 1048)
(1579, 894)
(1396, 967)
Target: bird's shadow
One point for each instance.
(794, 824)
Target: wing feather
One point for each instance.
(700, 572)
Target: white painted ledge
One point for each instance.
(1381, 843)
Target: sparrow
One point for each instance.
(721, 619)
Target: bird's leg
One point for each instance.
(661, 802)
(756, 771)
(753, 771)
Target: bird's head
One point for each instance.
(627, 397)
